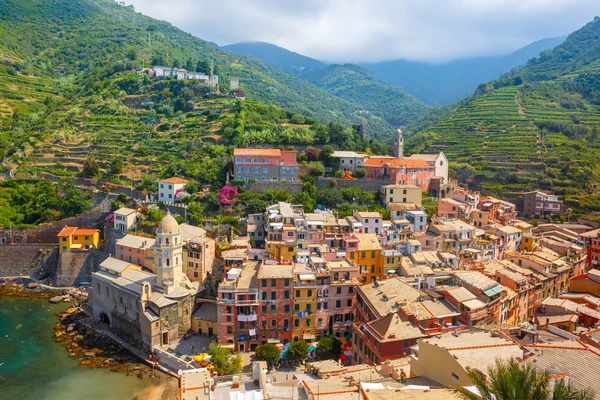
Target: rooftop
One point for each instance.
(274, 271)
(206, 312)
(392, 327)
(125, 211)
(412, 394)
(396, 162)
(257, 152)
(368, 241)
(580, 365)
(384, 295)
(174, 180)
(134, 241)
(70, 231)
(340, 154)
(475, 279)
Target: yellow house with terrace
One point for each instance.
(72, 238)
(305, 303)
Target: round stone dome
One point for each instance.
(168, 225)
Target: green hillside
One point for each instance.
(536, 128)
(356, 84)
(90, 37)
(283, 59)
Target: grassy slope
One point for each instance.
(537, 128)
(89, 34)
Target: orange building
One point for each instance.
(401, 171)
(586, 283)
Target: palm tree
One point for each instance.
(508, 380)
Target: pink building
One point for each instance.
(451, 208)
(372, 222)
(136, 250)
(265, 165)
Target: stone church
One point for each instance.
(141, 307)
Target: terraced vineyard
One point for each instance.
(490, 127)
(145, 144)
(23, 94)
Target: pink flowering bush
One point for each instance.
(227, 195)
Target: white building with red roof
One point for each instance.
(168, 189)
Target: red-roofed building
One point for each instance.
(265, 165)
(401, 171)
(72, 238)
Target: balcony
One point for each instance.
(247, 317)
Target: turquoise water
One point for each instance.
(34, 366)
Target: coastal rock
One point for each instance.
(58, 334)
(56, 299)
(31, 285)
(90, 354)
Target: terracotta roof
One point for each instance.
(71, 230)
(257, 152)
(396, 162)
(86, 231)
(175, 180)
(67, 231)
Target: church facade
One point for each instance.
(142, 307)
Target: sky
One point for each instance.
(377, 30)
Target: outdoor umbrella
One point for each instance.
(311, 348)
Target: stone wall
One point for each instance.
(261, 187)
(76, 267)
(35, 261)
(46, 233)
(295, 188)
(367, 186)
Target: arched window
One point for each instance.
(167, 262)
(167, 240)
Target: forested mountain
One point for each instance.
(439, 84)
(348, 82)
(537, 127)
(356, 84)
(280, 58)
(50, 38)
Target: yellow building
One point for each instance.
(281, 251)
(204, 319)
(305, 304)
(401, 194)
(365, 251)
(71, 238)
(530, 242)
(392, 260)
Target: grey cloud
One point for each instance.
(353, 30)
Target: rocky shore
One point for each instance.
(95, 350)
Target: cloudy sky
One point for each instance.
(375, 30)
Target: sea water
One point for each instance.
(34, 366)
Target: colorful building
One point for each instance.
(125, 219)
(265, 165)
(136, 249)
(275, 288)
(72, 238)
(169, 188)
(401, 194)
(400, 171)
(238, 307)
(305, 304)
(365, 251)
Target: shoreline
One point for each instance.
(73, 332)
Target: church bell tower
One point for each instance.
(398, 148)
(169, 254)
